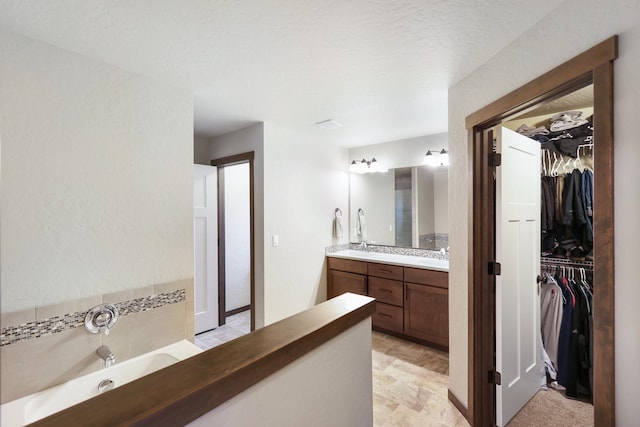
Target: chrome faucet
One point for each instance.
(363, 246)
(106, 355)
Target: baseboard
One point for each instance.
(459, 406)
(237, 310)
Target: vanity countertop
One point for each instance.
(394, 259)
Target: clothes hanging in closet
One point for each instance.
(567, 331)
(566, 200)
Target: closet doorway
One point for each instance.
(594, 66)
(236, 285)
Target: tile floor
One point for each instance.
(410, 381)
(235, 326)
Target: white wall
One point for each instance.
(330, 386)
(402, 153)
(305, 179)
(242, 141)
(574, 27)
(96, 177)
(237, 237)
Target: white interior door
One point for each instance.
(518, 340)
(237, 229)
(205, 232)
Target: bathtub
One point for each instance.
(31, 408)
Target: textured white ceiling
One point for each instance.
(581, 98)
(380, 67)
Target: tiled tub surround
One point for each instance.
(46, 346)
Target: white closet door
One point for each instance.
(205, 232)
(518, 250)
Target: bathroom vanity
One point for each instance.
(411, 292)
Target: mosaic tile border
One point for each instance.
(53, 325)
(391, 250)
(434, 241)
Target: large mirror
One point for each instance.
(405, 207)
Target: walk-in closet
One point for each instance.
(564, 130)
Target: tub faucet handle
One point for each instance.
(101, 318)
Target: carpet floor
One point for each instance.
(552, 408)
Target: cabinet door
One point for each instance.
(426, 313)
(341, 282)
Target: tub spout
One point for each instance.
(106, 355)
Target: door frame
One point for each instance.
(594, 66)
(221, 163)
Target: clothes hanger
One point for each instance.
(556, 165)
(585, 147)
(564, 168)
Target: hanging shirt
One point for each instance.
(565, 332)
(551, 317)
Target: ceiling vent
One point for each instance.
(329, 124)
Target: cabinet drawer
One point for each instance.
(388, 317)
(385, 271)
(341, 282)
(352, 266)
(387, 291)
(426, 277)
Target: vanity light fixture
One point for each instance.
(443, 159)
(366, 166)
(429, 159)
(437, 159)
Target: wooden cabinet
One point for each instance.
(387, 291)
(388, 317)
(394, 272)
(410, 302)
(345, 275)
(426, 313)
(341, 282)
(426, 305)
(389, 303)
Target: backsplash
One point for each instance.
(434, 241)
(427, 253)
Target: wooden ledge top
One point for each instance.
(183, 392)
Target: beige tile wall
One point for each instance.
(36, 364)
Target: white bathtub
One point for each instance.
(31, 408)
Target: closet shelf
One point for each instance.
(566, 262)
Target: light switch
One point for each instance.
(390, 227)
(275, 240)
